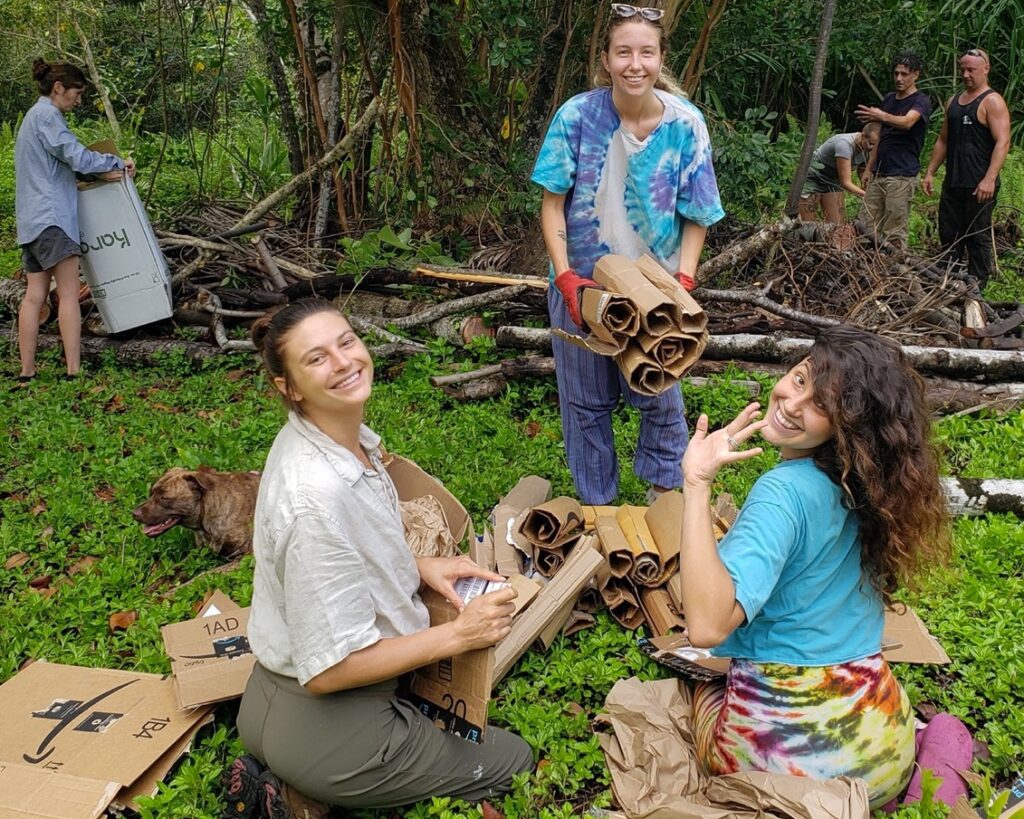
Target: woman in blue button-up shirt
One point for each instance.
(46, 158)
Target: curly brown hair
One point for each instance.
(881, 454)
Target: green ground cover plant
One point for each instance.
(79, 456)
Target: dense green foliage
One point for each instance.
(80, 455)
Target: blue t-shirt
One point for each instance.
(794, 557)
(626, 195)
(899, 151)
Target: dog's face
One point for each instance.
(175, 499)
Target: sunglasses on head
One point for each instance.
(976, 52)
(625, 10)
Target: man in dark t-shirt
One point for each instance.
(974, 141)
(895, 163)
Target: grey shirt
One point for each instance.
(842, 146)
(46, 158)
(334, 573)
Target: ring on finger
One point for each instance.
(733, 443)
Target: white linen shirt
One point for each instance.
(334, 573)
(46, 158)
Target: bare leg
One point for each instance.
(69, 316)
(36, 291)
(809, 207)
(832, 205)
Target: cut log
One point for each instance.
(523, 338)
(12, 291)
(972, 497)
(739, 252)
(448, 308)
(270, 268)
(989, 365)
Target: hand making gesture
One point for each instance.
(708, 452)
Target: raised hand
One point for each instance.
(708, 452)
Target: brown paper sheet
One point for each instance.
(426, 527)
(648, 743)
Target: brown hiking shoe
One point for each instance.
(282, 801)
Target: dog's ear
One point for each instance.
(197, 481)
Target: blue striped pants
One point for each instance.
(589, 386)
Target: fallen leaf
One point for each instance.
(41, 582)
(16, 560)
(489, 811)
(104, 493)
(115, 404)
(46, 533)
(121, 620)
(573, 709)
(82, 564)
(927, 710)
(532, 429)
(165, 407)
(234, 375)
(39, 508)
(47, 592)
(981, 751)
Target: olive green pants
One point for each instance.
(367, 748)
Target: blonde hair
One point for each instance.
(666, 80)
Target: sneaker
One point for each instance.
(281, 801)
(242, 788)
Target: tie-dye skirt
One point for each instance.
(851, 719)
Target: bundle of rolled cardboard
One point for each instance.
(644, 319)
(641, 549)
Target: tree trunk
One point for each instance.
(813, 108)
(94, 75)
(972, 497)
(284, 95)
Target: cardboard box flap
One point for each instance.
(94, 723)
(591, 342)
(412, 482)
(904, 640)
(913, 643)
(215, 603)
(32, 793)
(210, 657)
(148, 784)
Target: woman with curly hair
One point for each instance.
(796, 590)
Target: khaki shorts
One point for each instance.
(887, 206)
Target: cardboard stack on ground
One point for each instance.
(644, 319)
(75, 740)
(210, 654)
(121, 259)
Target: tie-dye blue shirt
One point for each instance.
(626, 195)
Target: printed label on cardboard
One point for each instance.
(89, 722)
(211, 658)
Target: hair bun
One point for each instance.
(259, 329)
(40, 68)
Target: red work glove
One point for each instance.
(569, 284)
(686, 280)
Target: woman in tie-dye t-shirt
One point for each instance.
(626, 168)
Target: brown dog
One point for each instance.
(218, 506)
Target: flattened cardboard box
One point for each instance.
(29, 793)
(90, 723)
(905, 639)
(210, 655)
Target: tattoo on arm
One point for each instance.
(563, 237)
